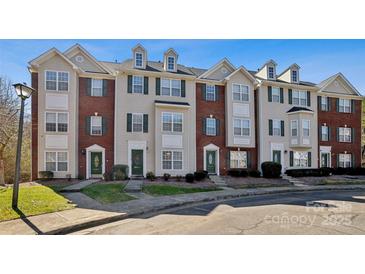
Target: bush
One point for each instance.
(237, 172)
(107, 176)
(317, 172)
(150, 175)
(178, 178)
(271, 169)
(120, 172)
(189, 177)
(254, 173)
(81, 177)
(45, 175)
(24, 177)
(200, 175)
(166, 176)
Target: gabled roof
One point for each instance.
(49, 54)
(138, 46)
(322, 85)
(217, 65)
(171, 50)
(271, 61)
(244, 71)
(291, 66)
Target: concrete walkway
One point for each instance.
(77, 187)
(91, 213)
(134, 186)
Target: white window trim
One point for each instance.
(272, 94)
(322, 126)
(142, 91)
(206, 93)
(343, 100)
(329, 158)
(92, 87)
(215, 127)
(167, 63)
(56, 112)
(291, 127)
(172, 122)
(273, 72)
(236, 151)
(241, 120)
(91, 126)
(170, 87)
(339, 134)
(248, 93)
(135, 59)
(297, 75)
(343, 154)
(325, 98)
(273, 122)
(56, 71)
(299, 93)
(141, 114)
(52, 151)
(309, 127)
(172, 159)
(299, 166)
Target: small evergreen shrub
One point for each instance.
(150, 176)
(238, 172)
(200, 175)
(189, 177)
(254, 173)
(45, 175)
(166, 176)
(271, 169)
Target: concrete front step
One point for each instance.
(134, 186)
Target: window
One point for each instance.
(56, 161)
(172, 160)
(170, 87)
(240, 92)
(96, 87)
(300, 159)
(324, 133)
(238, 159)
(294, 128)
(276, 127)
(344, 160)
(172, 122)
(139, 60)
(271, 73)
(57, 81)
(344, 105)
(137, 84)
(344, 134)
(324, 103)
(96, 125)
(211, 127)
(170, 63)
(275, 94)
(299, 98)
(241, 127)
(210, 93)
(137, 122)
(56, 122)
(294, 76)
(306, 128)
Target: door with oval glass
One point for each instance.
(137, 162)
(211, 161)
(96, 163)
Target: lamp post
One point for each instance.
(23, 92)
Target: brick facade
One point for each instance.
(34, 106)
(104, 106)
(335, 119)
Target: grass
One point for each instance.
(158, 190)
(33, 200)
(342, 182)
(262, 185)
(107, 193)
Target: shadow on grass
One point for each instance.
(27, 221)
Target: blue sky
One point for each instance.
(318, 59)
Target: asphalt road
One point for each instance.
(293, 213)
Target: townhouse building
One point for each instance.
(164, 117)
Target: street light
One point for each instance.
(23, 92)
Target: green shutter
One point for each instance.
(217, 93)
(337, 105)
(291, 158)
(329, 134)
(319, 100)
(248, 153)
(281, 95)
(145, 123)
(204, 124)
(87, 125)
(320, 132)
(104, 125)
(145, 85)
(338, 160)
(282, 127)
(328, 103)
(353, 106)
(270, 127)
(204, 90)
(129, 122)
(158, 86)
(309, 159)
(129, 87)
(353, 160)
(269, 93)
(352, 135)
(290, 94)
(105, 87)
(338, 134)
(183, 88)
(308, 98)
(228, 159)
(217, 127)
(88, 86)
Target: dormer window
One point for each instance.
(294, 76)
(271, 72)
(138, 60)
(171, 63)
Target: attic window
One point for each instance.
(138, 60)
(294, 76)
(271, 73)
(171, 63)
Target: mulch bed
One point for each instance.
(248, 182)
(318, 180)
(172, 182)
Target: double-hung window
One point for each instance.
(56, 81)
(137, 122)
(56, 122)
(137, 84)
(275, 94)
(172, 160)
(294, 128)
(210, 93)
(344, 134)
(96, 87)
(170, 87)
(238, 159)
(306, 128)
(324, 133)
(299, 97)
(211, 129)
(171, 63)
(138, 60)
(96, 125)
(276, 127)
(271, 73)
(172, 122)
(344, 105)
(300, 159)
(241, 127)
(324, 103)
(344, 160)
(294, 76)
(56, 161)
(240, 92)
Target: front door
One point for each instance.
(137, 162)
(276, 156)
(325, 159)
(96, 163)
(211, 160)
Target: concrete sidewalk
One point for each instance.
(91, 213)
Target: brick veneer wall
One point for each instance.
(104, 106)
(34, 116)
(335, 119)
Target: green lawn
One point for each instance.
(158, 190)
(107, 193)
(33, 200)
(342, 182)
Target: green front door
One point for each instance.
(276, 156)
(137, 162)
(96, 163)
(210, 160)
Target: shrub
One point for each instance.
(189, 177)
(238, 172)
(120, 172)
(107, 176)
(178, 178)
(81, 177)
(271, 169)
(317, 172)
(166, 176)
(25, 176)
(45, 175)
(200, 175)
(254, 173)
(150, 175)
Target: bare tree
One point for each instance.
(9, 105)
